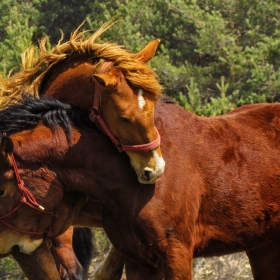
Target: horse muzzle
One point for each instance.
(151, 171)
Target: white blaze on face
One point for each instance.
(141, 100)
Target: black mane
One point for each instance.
(26, 112)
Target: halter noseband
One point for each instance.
(27, 198)
(95, 115)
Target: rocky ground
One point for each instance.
(230, 267)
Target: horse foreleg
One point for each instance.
(39, 265)
(64, 255)
(265, 261)
(177, 262)
(111, 268)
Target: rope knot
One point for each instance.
(49, 232)
(21, 184)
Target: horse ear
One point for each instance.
(105, 80)
(148, 52)
(7, 147)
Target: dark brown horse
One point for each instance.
(26, 238)
(219, 194)
(116, 88)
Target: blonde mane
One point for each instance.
(37, 61)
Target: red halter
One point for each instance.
(95, 115)
(27, 198)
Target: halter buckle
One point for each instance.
(96, 111)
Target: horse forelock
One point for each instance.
(38, 60)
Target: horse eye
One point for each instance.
(2, 193)
(123, 119)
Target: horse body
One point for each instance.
(231, 165)
(240, 189)
(219, 193)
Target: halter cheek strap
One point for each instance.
(95, 115)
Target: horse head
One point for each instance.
(9, 203)
(128, 114)
(29, 213)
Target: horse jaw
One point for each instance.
(148, 166)
(23, 241)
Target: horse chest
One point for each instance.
(132, 238)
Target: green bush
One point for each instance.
(203, 41)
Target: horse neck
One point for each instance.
(102, 165)
(71, 82)
(40, 144)
(85, 164)
(171, 117)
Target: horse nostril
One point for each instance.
(2, 193)
(147, 175)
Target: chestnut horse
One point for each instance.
(115, 86)
(219, 194)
